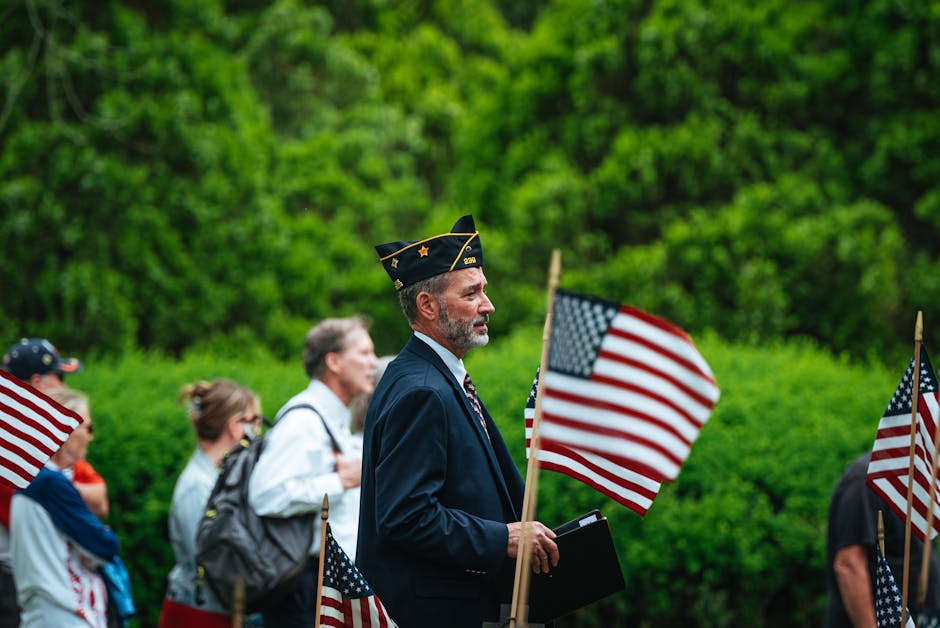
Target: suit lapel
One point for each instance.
(487, 444)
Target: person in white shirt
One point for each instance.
(310, 452)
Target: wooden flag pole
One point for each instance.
(932, 497)
(881, 532)
(324, 515)
(238, 603)
(518, 615)
(915, 402)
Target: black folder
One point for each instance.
(588, 570)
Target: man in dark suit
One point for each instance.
(441, 496)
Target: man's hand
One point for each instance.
(544, 550)
(349, 470)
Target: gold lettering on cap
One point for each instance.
(469, 260)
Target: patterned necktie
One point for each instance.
(471, 391)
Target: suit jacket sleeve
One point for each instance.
(414, 485)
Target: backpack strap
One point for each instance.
(307, 406)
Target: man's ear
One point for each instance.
(428, 307)
(330, 361)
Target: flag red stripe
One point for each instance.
(616, 479)
(590, 482)
(383, 618)
(28, 436)
(899, 453)
(643, 366)
(32, 422)
(562, 395)
(365, 617)
(898, 490)
(657, 322)
(619, 435)
(666, 353)
(18, 470)
(637, 466)
(624, 385)
(50, 418)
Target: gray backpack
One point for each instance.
(267, 554)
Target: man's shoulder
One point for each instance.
(414, 374)
(46, 482)
(304, 403)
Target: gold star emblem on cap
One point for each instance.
(394, 262)
(423, 251)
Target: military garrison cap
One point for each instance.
(409, 262)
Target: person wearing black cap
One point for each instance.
(441, 495)
(38, 363)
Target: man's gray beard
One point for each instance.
(460, 333)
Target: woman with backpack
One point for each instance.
(222, 413)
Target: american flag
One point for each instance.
(346, 599)
(32, 428)
(887, 597)
(624, 386)
(633, 490)
(928, 619)
(888, 471)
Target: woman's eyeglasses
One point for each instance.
(254, 420)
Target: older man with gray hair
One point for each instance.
(310, 451)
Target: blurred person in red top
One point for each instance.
(38, 363)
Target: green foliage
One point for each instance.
(179, 173)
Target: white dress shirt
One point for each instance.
(298, 466)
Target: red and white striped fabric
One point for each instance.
(32, 428)
(623, 385)
(629, 488)
(346, 599)
(889, 468)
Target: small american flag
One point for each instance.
(928, 619)
(888, 470)
(887, 597)
(346, 599)
(633, 490)
(32, 428)
(624, 386)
